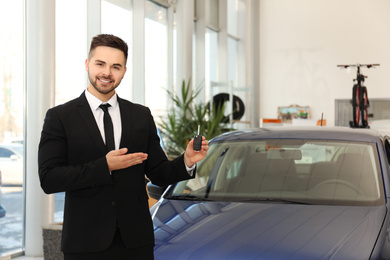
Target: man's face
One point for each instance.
(106, 68)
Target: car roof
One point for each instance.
(317, 133)
(15, 147)
(11, 145)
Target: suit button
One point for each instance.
(113, 203)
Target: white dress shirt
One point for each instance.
(114, 112)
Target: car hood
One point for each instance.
(218, 230)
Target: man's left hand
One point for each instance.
(191, 157)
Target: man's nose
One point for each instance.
(107, 71)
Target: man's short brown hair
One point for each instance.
(108, 40)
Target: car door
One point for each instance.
(11, 166)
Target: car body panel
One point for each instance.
(12, 166)
(2, 211)
(217, 230)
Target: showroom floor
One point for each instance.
(27, 258)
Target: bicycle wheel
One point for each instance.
(355, 105)
(364, 104)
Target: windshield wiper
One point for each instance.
(188, 197)
(276, 200)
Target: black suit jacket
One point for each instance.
(72, 158)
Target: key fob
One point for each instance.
(197, 142)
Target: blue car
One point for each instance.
(281, 193)
(2, 209)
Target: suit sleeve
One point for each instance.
(55, 173)
(159, 169)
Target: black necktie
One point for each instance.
(108, 128)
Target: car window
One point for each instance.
(203, 172)
(5, 153)
(387, 148)
(309, 171)
(19, 149)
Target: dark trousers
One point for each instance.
(116, 251)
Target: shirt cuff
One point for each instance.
(191, 169)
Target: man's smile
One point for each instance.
(105, 80)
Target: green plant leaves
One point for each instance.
(181, 124)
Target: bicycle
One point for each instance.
(360, 102)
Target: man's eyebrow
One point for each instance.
(115, 64)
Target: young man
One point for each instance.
(106, 213)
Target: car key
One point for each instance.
(198, 140)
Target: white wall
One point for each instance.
(302, 41)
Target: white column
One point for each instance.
(185, 25)
(253, 58)
(200, 46)
(138, 51)
(93, 20)
(222, 42)
(40, 85)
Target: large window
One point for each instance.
(211, 61)
(11, 126)
(71, 50)
(236, 58)
(233, 41)
(116, 19)
(156, 59)
(232, 57)
(236, 39)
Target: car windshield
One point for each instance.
(18, 149)
(287, 171)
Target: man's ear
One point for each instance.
(86, 64)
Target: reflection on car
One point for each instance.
(11, 163)
(281, 193)
(2, 209)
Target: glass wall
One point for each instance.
(232, 57)
(211, 61)
(71, 52)
(71, 49)
(236, 58)
(116, 19)
(11, 126)
(156, 59)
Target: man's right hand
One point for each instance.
(118, 159)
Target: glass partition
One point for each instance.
(71, 52)
(11, 126)
(116, 19)
(156, 59)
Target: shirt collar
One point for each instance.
(94, 102)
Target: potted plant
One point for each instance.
(52, 241)
(181, 124)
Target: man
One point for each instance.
(106, 213)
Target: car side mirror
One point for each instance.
(155, 191)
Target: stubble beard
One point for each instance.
(103, 91)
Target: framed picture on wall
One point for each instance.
(293, 111)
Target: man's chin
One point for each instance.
(104, 90)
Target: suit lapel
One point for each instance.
(90, 123)
(126, 125)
